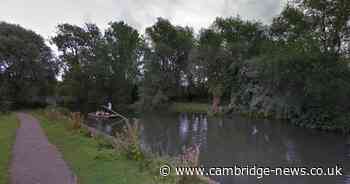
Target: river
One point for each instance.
(242, 141)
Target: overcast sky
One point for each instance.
(43, 16)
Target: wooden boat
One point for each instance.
(106, 114)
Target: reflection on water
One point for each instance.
(184, 128)
(224, 142)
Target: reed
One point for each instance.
(189, 157)
(128, 141)
(77, 119)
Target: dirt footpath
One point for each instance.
(35, 160)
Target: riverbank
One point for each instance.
(92, 162)
(97, 160)
(8, 126)
(189, 107)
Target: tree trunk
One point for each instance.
(216, 104)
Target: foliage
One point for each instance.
(90, 162)
(8, 126)
(166, 59)
(5, 106)
(221, 51)
(77, 48)
(27, 67)
(55, 113)
(215, 59)
(98, 68)
(296, 68)
(329, 21)
(309, 62)
(110, 165)
(118, 63)
(77, 120)
(189, 158)
(127, 141)
(303, 75)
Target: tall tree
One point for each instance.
(244, 39)
(27, 67)
(166, 59)
(77, 47)
(222, 50)
(214, 59)
(327, 21)
(99, 68)
(171, 46)
(120, 59)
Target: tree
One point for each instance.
(244, 39)
(27, 67)
(167, 60)
(321, 20)
(171, 46)
(77, 47)
(99, 68)
(214, 58)
(119, 59)
(222, 50)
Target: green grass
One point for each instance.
(190, 107)
(91, 163)
(8, 126)
(95, 161)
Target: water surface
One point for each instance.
(242, 141)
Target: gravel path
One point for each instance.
(35, 160)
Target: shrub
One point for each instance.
(102, 143)
(52, 113)
(189, 158)
(77, 120)
(5, 106)
(127, 141)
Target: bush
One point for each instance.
(5, 106)
(324, 120)
(77, 120)
(55, 113)
(316, 85)
(189, 158)
(128, 141)
(52, 113)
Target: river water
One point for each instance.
(241, 141)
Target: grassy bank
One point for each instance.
(94, 160)
(8, 126)
(190, 107)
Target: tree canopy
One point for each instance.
(297, 68)
(27, 66)
(98, 68)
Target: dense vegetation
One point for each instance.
(8, 126)
(295, 69)
(27, 67)
(93, 162)
(106, 159)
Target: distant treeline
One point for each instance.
(297, 68)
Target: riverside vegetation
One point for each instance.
(8, 126)
(100, 159)
(296, 68)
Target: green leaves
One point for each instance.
(28, 68)
(166, 63)
(99, 67)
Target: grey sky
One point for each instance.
(42, 16)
